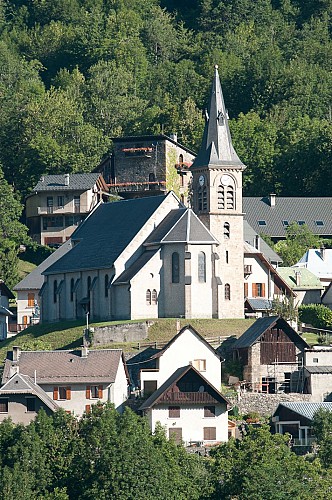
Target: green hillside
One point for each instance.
(67, 335)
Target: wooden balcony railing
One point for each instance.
(187, 397)
(137, 186)
(247, 269)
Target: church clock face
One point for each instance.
(201, 180)
(226, 180)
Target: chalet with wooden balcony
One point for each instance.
(59, 203)
(190, 408)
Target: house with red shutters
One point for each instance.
(71, 379)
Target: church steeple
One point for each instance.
(217, 149)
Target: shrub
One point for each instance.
(317, 315)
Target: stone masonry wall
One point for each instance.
(126, 332)
(265, 404)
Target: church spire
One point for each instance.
(217, 149)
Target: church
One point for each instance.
(153, 257)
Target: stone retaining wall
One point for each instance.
(126, 332)
(265, 404)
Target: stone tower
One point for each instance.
(217, 200)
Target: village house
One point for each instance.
(73, 380)
(306, 285)
(296, 419)
(147, 166)
(269, 354)
(59, 203)
(319, 262)
(316, 373)
(190, 409)
(262, 283)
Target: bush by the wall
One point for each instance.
(317, 315)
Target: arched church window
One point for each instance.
(154, 297)
(227, 291)
(152, 180)
(201, 267)
(88, 284)
(227, 231)
(148, 297)
(175, 267)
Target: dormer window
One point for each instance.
(301, 222)
(285, 223)
(262, 223)
(319, 223)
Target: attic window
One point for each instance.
(319, 223)
(285, 223)
(262, 223)
(301, 222)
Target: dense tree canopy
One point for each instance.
(75, 73)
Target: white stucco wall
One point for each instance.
(187, 348)
(192, 422)
(148, 278)
(323, 357)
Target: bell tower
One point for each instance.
(217, 201)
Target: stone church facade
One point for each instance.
(153, 257)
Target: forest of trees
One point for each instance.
(106, 455)
(75, 73)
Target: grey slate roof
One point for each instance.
(177, 375)
(106, 233)
(129, 273)
(4, 290)
(288, 209)
(23, 384)
(319, 369)
(35, 279)
(217, 148)
(306, 410)
(250, 237)
(100, 366)
(77, 182)
(255, 331)
(259, 304)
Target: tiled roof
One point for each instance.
(23, 384)
(35, 279)
(106, 233)
(306, 410)
(308, 210)
(77, 182)
(250, 236)
(307, 279)
(261, 325)
(99, 366)
(175, 377)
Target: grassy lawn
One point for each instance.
(25, 268)
(68, 335)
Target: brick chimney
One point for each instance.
(84, 351)
(66, 179)
(322, 252)
(298, 278)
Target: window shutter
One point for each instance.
(254, 290)
(209, 433)
(88, 392)
(263, 289)
(100, 392)
(246, 289)
(55, 393)
(87, 408)
(68, 393)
